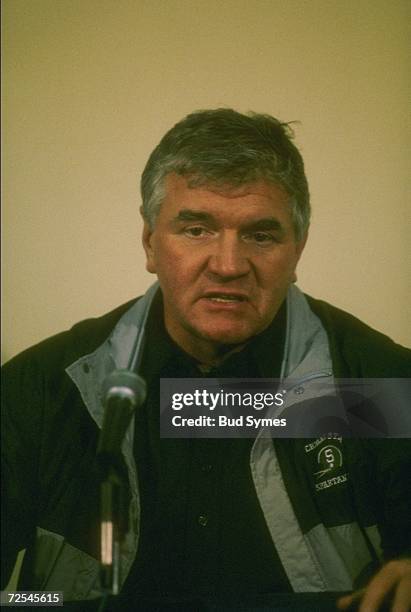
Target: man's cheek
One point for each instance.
(171, 279)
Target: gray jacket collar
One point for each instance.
(89, 372)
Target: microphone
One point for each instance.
(123, 392)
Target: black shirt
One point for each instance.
(203, 533)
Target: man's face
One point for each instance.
(224, 260)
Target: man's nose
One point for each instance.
(228, 258)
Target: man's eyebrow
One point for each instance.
(186, 214)
(267, 224)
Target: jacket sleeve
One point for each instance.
(394, 484)
(381, 483)
(20, 439)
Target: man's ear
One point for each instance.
(299, 248)
(300, 245)
(148, 248)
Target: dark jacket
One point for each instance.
(328, 532)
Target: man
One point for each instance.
(226, 214)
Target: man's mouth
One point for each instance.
(225, 298)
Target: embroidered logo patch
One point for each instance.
(328, 460)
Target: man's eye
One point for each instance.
(260, 238)
(195, 231)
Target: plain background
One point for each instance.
(90, 86)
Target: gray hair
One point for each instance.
(224, 148)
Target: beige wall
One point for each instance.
(91, 85)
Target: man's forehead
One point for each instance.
(177, 184)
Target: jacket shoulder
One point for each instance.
(60, 350)
(358, 350)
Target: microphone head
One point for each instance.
(125, 384)
(123, 391)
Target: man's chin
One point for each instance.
(226, 336)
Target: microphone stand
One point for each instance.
(114, 526)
